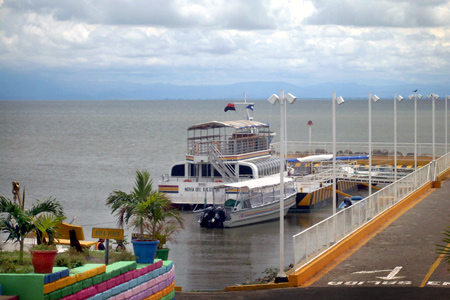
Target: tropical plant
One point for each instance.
(19, 222)
(46, 224)
(444, 250)
(143, 208)
(165, 230)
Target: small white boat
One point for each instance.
(247, 202)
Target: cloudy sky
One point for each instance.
(198, 42)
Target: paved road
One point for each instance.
(399, 262)
(403, 253)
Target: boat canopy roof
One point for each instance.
(233, 124)
(255, 183)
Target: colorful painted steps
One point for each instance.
(122, 280)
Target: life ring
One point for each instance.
(187, 180)
(196, 148)
(218, 180)
(217, 144)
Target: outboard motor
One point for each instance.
(207, 218)
(219, 218)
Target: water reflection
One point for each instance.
(211, 259)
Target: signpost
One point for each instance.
(107, 233)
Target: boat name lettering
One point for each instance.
(198, 189)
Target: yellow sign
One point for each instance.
(107, 233)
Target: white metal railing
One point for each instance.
(318, 238)
(352, 148)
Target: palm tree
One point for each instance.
(143, 208)
(18, 221)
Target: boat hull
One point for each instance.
(259, 214)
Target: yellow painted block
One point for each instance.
(91, 273)
(101, 269)
(61, 283)
(71, 280)
(158, 295)
(49, 287)
(84, 275)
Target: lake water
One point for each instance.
(80, 151)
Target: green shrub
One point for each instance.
(71, 259)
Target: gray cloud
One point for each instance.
(387, 13)
(231, 14)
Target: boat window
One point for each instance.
(177, 170)
(245, 171)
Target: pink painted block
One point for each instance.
(120, 297)
(152, 283)
(91, 291)
(136, 290)
(135, 273)
(148, 269)
(128, 275)
(128, 294)
(101, 287)
(145, 286)
(81, 295)
(111, 283)
(113, 298)
(120, 279)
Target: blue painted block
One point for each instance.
(54, 276)
(140, 280)
(133, 283)
(96, 297)
(64, 273)
(115, 290)
(107, 294)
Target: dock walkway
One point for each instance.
(398, 261)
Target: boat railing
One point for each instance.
(321, 237)
(228, 145)
(221, 165)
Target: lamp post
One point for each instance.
(339, 101)
(433, 98)
(415, 96)
(273, 99)
(446, 97)
(375, 98)
(399, 98)
(310, 123)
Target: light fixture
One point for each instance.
(273, 99)
(281, 276)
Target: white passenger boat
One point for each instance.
(220, 152)
(247, 202)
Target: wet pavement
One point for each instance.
(399, 261)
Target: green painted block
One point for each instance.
(87, 283)
(13, 284)
(106, 276)
(47, 297)
(115, 272)
(76, 287)
(55, 295)
(97, 279)
(68, 290)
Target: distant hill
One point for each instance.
(16, 86)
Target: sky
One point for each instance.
(77, 45)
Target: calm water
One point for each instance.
(80, 151)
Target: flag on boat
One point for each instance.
(229, 107)
(250, 106)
